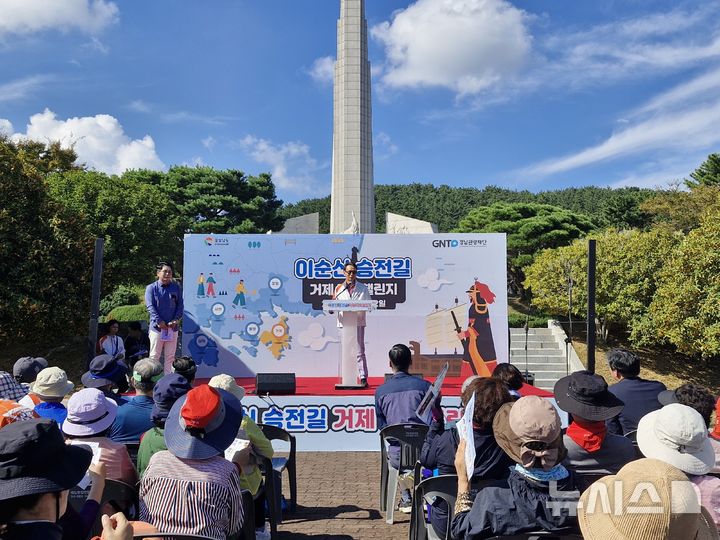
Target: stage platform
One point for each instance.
(325, 386)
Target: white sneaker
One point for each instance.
(262, 534)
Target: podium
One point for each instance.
(347, 365)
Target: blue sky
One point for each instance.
(524, 94)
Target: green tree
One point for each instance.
(707, 174)
(621, 209)
(530, 227)
(680, 209)
(45, 250)
(686, 308)
(629, 264)
(214, 201)
(135, 218)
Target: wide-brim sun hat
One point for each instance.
(227, 383)
(586, 395)
(89, 413)
(52, 382)
(646, 499)
(103, 371)
(202, 423)
(533, 432)
(677, 434)
(34, 459)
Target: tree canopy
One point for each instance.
(45, 249)
(530, 227)
(707, 174)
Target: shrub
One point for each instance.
(123, 295)
(517, 320)
(136, 312)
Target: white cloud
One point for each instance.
(383, 146)
(185, 116)
(138, 105)
(323, 69)
(431, 280)
(313, 337)
(292, 166)
(673, 124)
(208, 142)
(28, 16)
(99, 141)
(21, 88)
(96, 45)
(464, 45)
(6, 127)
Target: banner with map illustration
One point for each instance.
(253, 303)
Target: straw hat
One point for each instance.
(646, 499)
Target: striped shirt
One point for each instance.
(192, 496)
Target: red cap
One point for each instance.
(201, 406)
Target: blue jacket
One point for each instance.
(396, 402)
(640, 398)
(132, 420)
(163, 303)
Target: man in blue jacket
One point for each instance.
(163, 299)
(639, 395)
(396, 402)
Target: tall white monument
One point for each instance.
(352, 168)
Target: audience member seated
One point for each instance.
(438, 451)
(78, 523)
(137, 344)
(26, 369)
(699, 398)
(640, 396)
(511, 376)
(186, 367)
(133, 418)
(47, 393)
(612, 508)
(529, 431)
(105, 374)
(11, 389)
(250, 475)
(37, 470)
(111, 343)
(166, 392)
(90, 415)
(191, 488)
(11, 411)
(677, 434)
(395, 403)
(591, 450)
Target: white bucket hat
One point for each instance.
(52, 382)
(677, 434)
(227, 383)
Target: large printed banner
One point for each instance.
(329, 423)
(253, 303)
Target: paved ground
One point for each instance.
(338, 499)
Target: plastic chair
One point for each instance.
(272, 495)
(444, 487)
(280, 464)
(411, 438)
(584, 480)
(248, 528)
(120, 496)
(632, 435)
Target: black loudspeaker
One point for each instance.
(275, 383)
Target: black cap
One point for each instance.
(104, 370)
(34, 459)
(586, 395)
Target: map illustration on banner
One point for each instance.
(254, 303)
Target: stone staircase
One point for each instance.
(545, 355)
